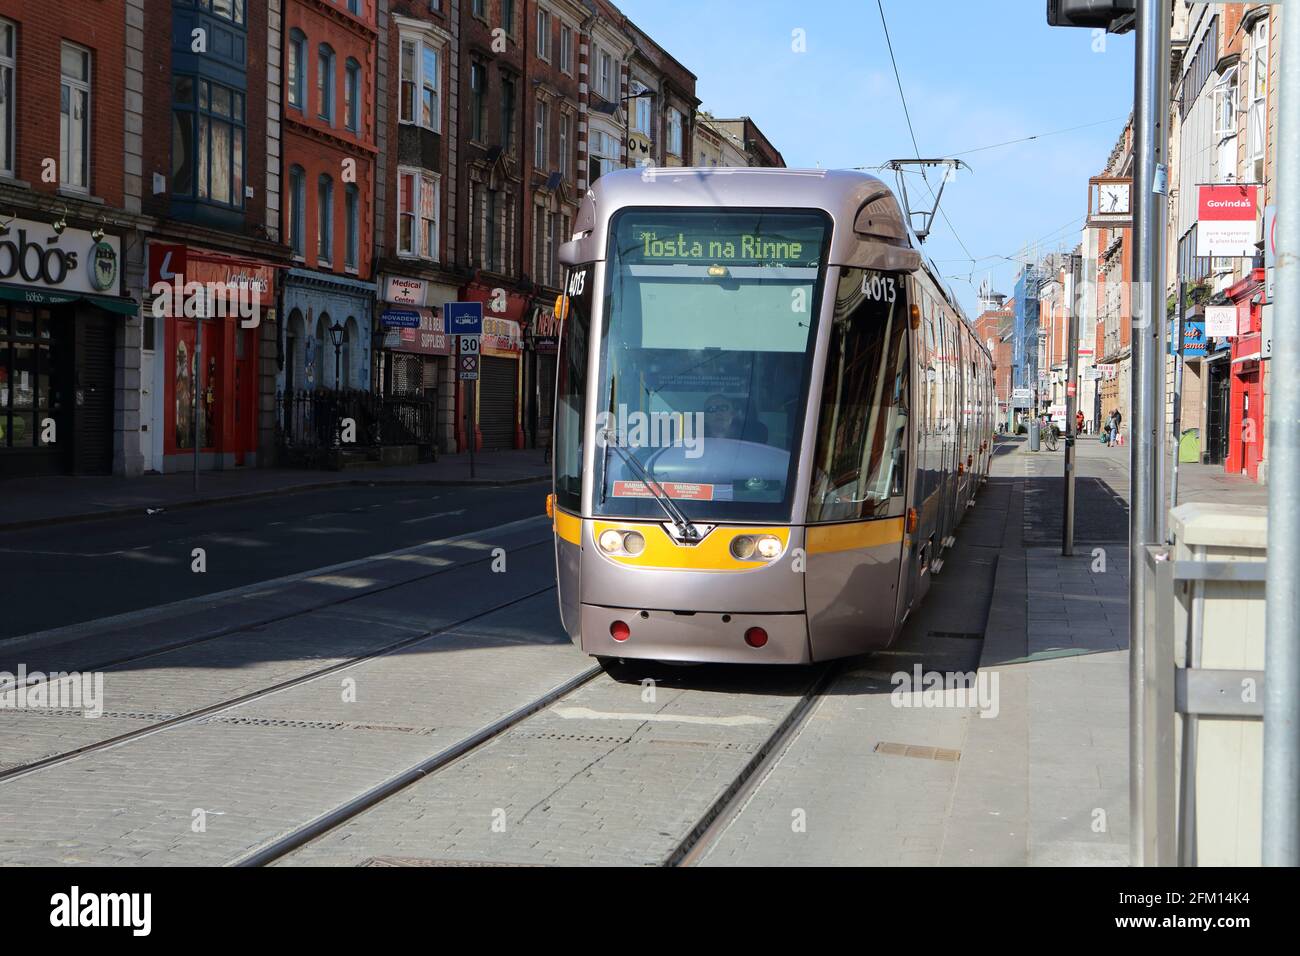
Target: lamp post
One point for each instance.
(336, 336)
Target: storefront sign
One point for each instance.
(1108, 371)
(1220, 321)
(501, 335)
(400, 319)
(404, 291)
(545, 333)
(189, 282)
(1226, 220)
(32, 253)
(1266, 331)
(427, 337)
(1193, 343)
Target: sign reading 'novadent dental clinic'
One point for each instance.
(1226, 220)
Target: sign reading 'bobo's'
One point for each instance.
(32, 253)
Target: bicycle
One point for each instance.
(1050, 437)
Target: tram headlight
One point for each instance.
(769, 546)
(743, 547)
(611, 542)
(633, 543)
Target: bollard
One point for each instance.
(1033, 435)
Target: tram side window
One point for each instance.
(859, 467)
(571, 390)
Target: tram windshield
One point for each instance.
(709, 323)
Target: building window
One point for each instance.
(421, 83)
(232, 10)
(674, 132)
(354, 6)
(297, 69)
(491, 250)
(325, 83)
(642, 121)
(564, 144)
(352, 96)
(508, 16)
(550, 249)
(478, 101)
(33, 380)
(325, 219)
(419, 199)
(606, 75)
(74, 118)
(507, 114)
(297, 209)
(539, 134)
(543, 34)
(566, 48)
(604, 154)
(479, 8)
(207, 141)
(8, 54)
(352, 200)
(1258, 107)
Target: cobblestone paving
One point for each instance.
(604, 777)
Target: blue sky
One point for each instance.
(975, 72)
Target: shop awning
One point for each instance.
(35, 296)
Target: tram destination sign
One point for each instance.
(742, 239)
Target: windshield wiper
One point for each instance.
(675, 515)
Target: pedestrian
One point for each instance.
(1078, 423)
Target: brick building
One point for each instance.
(329, 117)
(418, 265)
(69, 331)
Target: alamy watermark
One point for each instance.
(637, 429)
(962, 689)
(57, 690)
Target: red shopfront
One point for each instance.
(219, 375)
(498, 418)
(1247, 386)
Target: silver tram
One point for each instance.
(770, 417)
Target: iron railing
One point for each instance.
(319, 428)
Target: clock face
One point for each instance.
(1112, 198)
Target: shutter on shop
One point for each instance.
(497, 402)
(94, 411)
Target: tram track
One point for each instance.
(209, 710)
(688, 852)
(274, 619)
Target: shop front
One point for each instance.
(327, 333)
(1246, 425)
(497, 404)
(415, 352)
(209, 309)
(541, 343)
(61, 323)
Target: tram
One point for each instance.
(771, 415)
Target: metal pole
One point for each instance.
(1177, 429)
(1071, 401)
(1281, 826)
(473, 422)
(1150, 109)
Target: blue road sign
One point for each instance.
(464, 318)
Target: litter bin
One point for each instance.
(1033, 435)
(1189, 446)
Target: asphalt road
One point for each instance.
(72, 573)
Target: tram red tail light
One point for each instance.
(619, 631)
(756, 637)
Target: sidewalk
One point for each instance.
(27, 502)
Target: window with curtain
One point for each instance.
(352, 96)
(325, 218)
(421, 84)
(208, 135)
(296, 210)
(74, 118)
(8, 68)
(675, 132)
(543, 34)
(566, 48)
(297, 70)
(540, 124)
(325, 83)
(352, 199)
(418, 201)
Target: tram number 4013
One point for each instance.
(577, 282)
(880, 288)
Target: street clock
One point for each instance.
(1110, 202)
